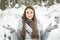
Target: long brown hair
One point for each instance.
(33, 25)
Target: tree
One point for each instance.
(58, 1)
(2, 4)
(50, 2)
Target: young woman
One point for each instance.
(29, 28)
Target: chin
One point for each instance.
(29, 18)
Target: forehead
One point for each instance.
(29, 9)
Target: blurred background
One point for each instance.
(11, 3)
(47, 12)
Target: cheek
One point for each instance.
(32, 15)
(27, 15)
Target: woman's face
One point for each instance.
(29, 13)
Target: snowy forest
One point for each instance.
(47, 11)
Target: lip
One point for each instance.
(29, 16)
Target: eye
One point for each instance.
(31, 12)
(27, 12)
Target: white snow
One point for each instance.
(1, 28)
(54, 35)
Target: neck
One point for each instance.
(28, 20)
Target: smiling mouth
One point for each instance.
(29, 16)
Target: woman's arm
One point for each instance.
(40, 28)
(19, 28)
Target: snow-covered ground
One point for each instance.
(45, 15)
(1, 28)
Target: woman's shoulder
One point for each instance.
(39, 24)
(38, 21)
(20, 23)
